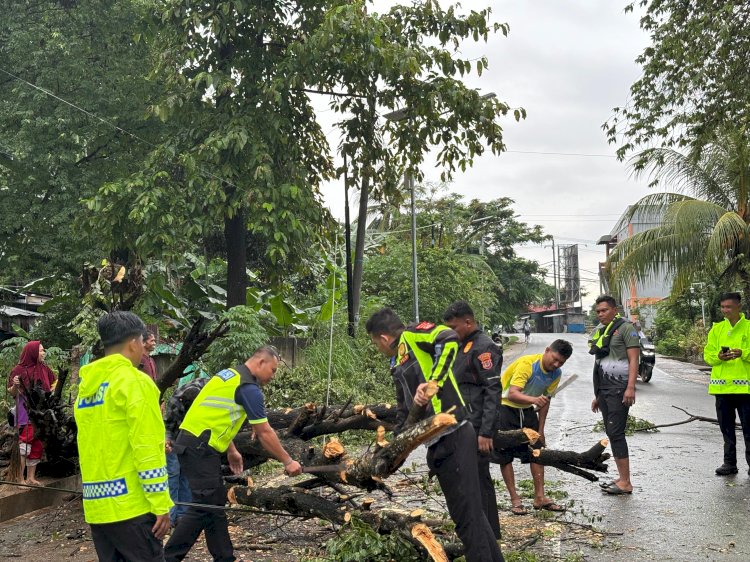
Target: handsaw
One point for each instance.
(324, 468)
(561, 387)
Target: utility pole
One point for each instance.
(554, 273)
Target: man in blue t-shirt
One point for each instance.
(215, 417)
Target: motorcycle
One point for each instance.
(647, 360)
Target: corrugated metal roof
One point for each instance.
(12, 311)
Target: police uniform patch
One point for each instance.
(468, 346)
(226, 374)
(401, 349)
(486, 359)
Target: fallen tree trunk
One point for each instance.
(570, 461)
(367, 471)
(298, 500)
(311, 421)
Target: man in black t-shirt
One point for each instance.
(477, 367)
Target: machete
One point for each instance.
(561, 387)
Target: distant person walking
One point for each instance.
(526, 330)
(728, 352)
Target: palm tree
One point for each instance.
(705, 227)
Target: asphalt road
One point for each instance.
(680, 510)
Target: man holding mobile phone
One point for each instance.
(728, 352)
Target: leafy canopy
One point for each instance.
(694, 81)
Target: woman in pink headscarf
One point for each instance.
(29, 373)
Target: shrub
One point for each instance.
(360, 543)
(358, 372)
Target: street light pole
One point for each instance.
(415, 286)
(400, 115)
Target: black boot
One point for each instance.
(726, 469)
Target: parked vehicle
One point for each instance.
(647, 360)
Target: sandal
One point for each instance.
(615, 490)
(519, 509)
(550, 506)
(607, 484)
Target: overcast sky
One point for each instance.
(568, 63)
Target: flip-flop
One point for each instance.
(607, 484)
(519, 509)
(550, 506)
(615, 490)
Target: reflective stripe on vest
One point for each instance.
(440, 363)
(214, 409)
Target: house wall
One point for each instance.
(646, 293)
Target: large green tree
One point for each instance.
(398, 77)
(705, 221)
(247, 154)
(694, 80)
(53, 56)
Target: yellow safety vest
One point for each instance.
(214, 409)
(729, 377)
(120, 442)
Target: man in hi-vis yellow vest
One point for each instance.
(728, 352)
(229, 398)
(121, 447)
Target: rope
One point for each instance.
(187, 504)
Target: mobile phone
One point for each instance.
(724, 349)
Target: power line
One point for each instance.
(102, 120)
(562, 153)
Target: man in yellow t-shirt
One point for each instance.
(528, 382)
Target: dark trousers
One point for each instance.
(726, 406)
(488, 494)
(201, 465)
(128, 541)
(615, 416)
(454, 460)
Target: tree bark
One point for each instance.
(235, 231)
(367, 471)
(301, 501)
(311, 421)
(570, 461)
(195, 344)
(359, 246)
(514, 438)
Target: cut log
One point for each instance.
(570, 461)
(514, 438)
(423, 535)
(417, 412)
(380, 462)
